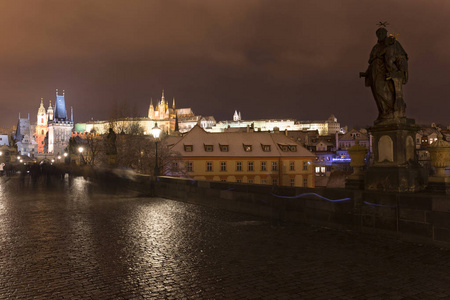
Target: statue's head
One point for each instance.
(381, 34)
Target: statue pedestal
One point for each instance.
(395, 167)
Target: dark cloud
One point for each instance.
(297, 59)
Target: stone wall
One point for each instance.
(420, 217)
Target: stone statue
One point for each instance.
(111, 142)
(387, 72)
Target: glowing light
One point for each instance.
(312, 194)
(342, 159)
(80, 149)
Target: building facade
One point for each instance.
(246, 157)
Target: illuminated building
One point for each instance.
(246, 157)
(59, 126)
(324, 127)
(166, 117)
(26, 145)
(42, 126)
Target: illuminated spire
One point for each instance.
(173, 103)
(151, 110)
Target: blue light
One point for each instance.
(342, 159)
(312, 194)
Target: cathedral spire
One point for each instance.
(173, 103)
(151, 110)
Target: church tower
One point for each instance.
(59, 126)
(41, 127)
(50, 112)
(151, 110)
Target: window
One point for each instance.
(209, 166)
(305, 182)
(328, 158)
(263, 181)
(250, 166)
(188, 148)
(283, 148)
(239, 166)
(247, 148)
(274, 166)
(305, 166)
(224, 148)
(250, 181)
(208, 148)
(292, 181)
(265, 148)
(175, 165)
(223, 166)
(42, 131)
(189, 166)
(263, 166)
(274, 181)
(292, 166)
(317, 170)
(293, 148)
(239, 180)
(223, 180)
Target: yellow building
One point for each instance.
(246, 157)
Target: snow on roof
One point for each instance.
(199, 138)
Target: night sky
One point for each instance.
(267, 59)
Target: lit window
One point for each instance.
(274, 166)
(250, 166)
(239, 166)
(247, 148)
(223, 166)
(209, 166)
(292, 166)
(263, 166)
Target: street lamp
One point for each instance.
(156, 131)
(81, 153)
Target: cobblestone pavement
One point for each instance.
(71, 240)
